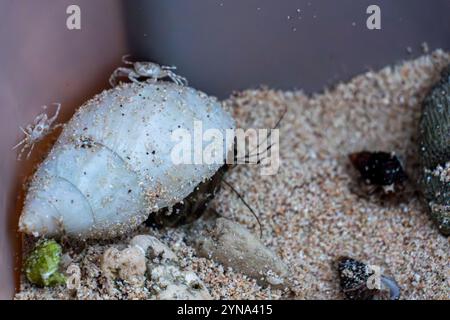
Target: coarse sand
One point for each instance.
(312, 211)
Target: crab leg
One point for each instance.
(20, 143)
(125, 59)
(58, 108)
(29, 152)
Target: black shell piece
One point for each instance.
(355, 276)
(434, 150)
(434, 129)
(378, 168)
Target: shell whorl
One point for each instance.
(434, 142)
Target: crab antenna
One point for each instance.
(246, 204)
(246, 157)
(19, 144)
(281, 118)
(260, 153)
(270, 132)
(278, 122)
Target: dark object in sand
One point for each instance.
(434, 152)
(379, 169)
(361, 282)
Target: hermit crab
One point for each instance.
(434, 152)
(112, 166)
(42, 265)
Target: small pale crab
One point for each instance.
(146, 70)
(35, 132)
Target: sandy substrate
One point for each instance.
(310, 211)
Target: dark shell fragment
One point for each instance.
(434, 152)
(378, 168)
(359, 282)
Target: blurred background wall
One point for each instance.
(41, 62)
(226, 45)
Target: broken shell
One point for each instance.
(128, 264)
(168, 280)
(170, 283)
(434, 153)
(154, 248)
(360, 282)
(378, 168)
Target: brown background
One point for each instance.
(42, 62)
(219, 48)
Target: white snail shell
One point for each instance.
(111, 167)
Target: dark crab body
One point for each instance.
(191, 208)
(434, 152)
(359, 282)
(379, 169)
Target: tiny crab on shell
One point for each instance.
(379, 169)
(35, 132)
(146, 70)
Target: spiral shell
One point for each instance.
(112, 165)
(434, 142)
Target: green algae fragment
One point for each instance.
(42, 265)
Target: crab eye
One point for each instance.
(39, 128)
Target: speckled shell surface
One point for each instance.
(434, 139)
(111, 167)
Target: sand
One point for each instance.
(312, 211)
